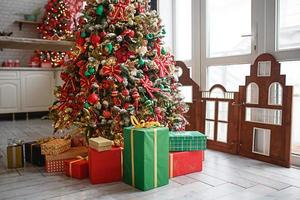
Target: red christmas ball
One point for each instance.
(125, 92)
(114, 93)
(95, 39)
(106, 114)
(93, 98)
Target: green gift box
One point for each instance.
(146, 157)
(187, 141)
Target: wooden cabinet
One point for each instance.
(36, 90)
(9, 96)
(27, 90)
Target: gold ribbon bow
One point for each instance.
(142, 123)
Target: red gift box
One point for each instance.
(77, 168)
(181, 163)
(105, 166)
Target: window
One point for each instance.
(291, 69)
(183, 32)
(289, 24)
(252, 95)
(264, 68)
(264, 116)
(261, 141)
(227, 22)
(275, 94)
(230, 76)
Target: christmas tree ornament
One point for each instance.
(100, 10)
(93, 98)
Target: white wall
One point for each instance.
(9, 10)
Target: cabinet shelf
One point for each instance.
(21, 22)
(33, 44)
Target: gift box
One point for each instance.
(100, 144)
(186, 162)
(146, 157)
(15, 157)
(55, 146)
(33, 153)
(105, 166)
(55, 163)
(187, 141)
(77, 168)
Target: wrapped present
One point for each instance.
(187, 141)
(146, 162)
(55, 146)
(55, 163)
(33, 153)
(100, 144)
(15, 157)
(105, 166)
(77, 168)
(181, 163)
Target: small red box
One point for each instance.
(105, 166)
(181, 163)
(77, 168)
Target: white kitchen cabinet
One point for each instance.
(36, 90)
(9, 96)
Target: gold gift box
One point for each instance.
(15, 157)
(100, 144)
(55, 146)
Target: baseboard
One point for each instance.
(23, 116)
(295, 160)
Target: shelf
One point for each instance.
(34, 44)
(30, 69)
(21, 22)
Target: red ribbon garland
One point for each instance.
(148, 85)
(113, 71)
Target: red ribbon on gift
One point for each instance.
(113, 71)
(148, 85)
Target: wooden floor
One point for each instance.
(225, 177)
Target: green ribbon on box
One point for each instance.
(146, 163)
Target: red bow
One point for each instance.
(86, 83)
(163, 65)
(118, 14)
(148, 85)
(113, 71)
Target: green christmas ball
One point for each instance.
(141, 61)
(91, 70)
(148, 103)
(87, 73)
(109, 47)
(99, 10)
(149, 36)
(163, 51)
(83, 34)
(86, 105)
(163, 31)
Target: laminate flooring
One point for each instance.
(224, 177)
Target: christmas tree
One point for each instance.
(56, 23)
(120, 69)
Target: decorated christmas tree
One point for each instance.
(56, 23)
(59, 22)
(120, 69)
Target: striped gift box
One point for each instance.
(187, 141)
